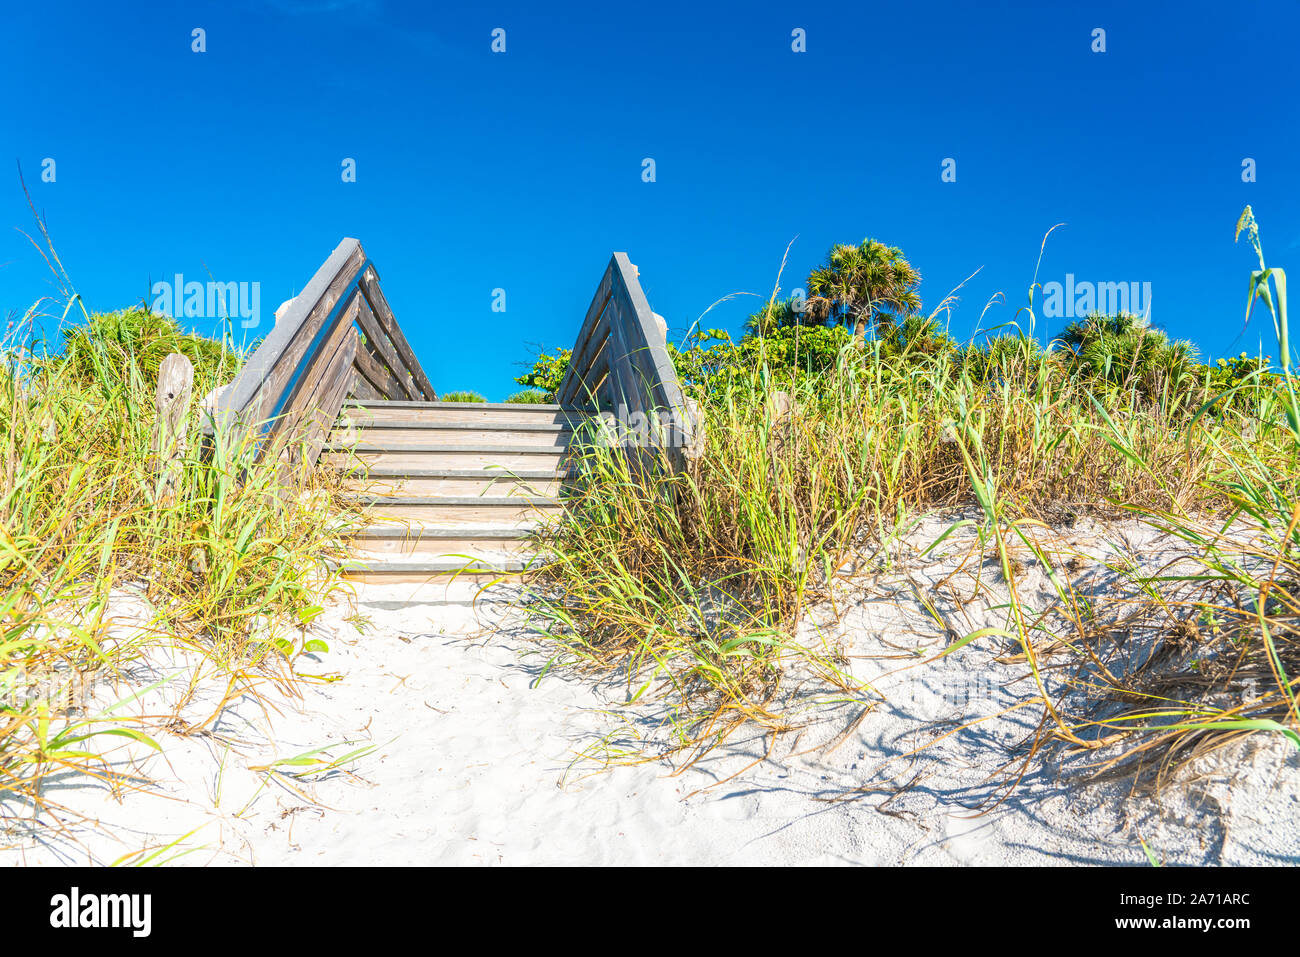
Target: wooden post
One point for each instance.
(621, 354)
(175, 382)
(782, 409)
(694, 422)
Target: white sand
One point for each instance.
(474, 759)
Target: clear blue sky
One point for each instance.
(523, 170)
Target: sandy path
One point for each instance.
(472, 765)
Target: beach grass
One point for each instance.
(230, 561)
(688, 587)
(692, 585)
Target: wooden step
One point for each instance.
(454, 482)
(454, 490)
(433, 413)
(459, 510)
(443, 571)
(470, 541)
(430, 457)
(401, 433)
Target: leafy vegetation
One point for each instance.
(547, 373)
(868, 285)
(109, 346)
(230, 561)
(872, 287)
(1124, 351)
(694, 582)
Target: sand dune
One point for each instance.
(471, 759)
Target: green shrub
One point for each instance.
(463, 395)
(112, 343)
(1124, 352)
(547, 373)
(231, 565)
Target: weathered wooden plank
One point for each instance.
(256, 390)
(649, 332)
(621, 355)
(591, 336)
(338, 380)
(374, 373)
(683, 420)
(363, 389)
(583, 384)
(595, 378)
(311, 381)
(172, 399)
(625, 388)
(312, 360)
(604, 289)
(581, 360)
(639, 356)
(279, 383)
(397, 385)
(375, 296)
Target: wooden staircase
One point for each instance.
(453, 489)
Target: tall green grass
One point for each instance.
(693, 584)
(1233, 620)
(232, 565)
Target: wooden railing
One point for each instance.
(620, 366)
(335, 339)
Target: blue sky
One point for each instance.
(523, 170)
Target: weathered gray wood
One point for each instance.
(592, 342)
(376, 376)
(268, 407)
(396, 385)
(313, 380)
(640, 356)
(627, 391)
(334, 366)
(363, 389)
(338, 380)
(581, 380)
(582, 377)
(375, 296)
(599, 300)
(596, 380)
(621, 357)
(297, 379)
(591, 337)
(258, 386)
(648, 332)
(175, 383)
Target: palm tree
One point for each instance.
(1125, 350)
(870, 284)
(1098, 328)
(780, 314)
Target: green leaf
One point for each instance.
(310, 613)
(981, 633)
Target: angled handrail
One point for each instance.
(336, 338)
(620, 364)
